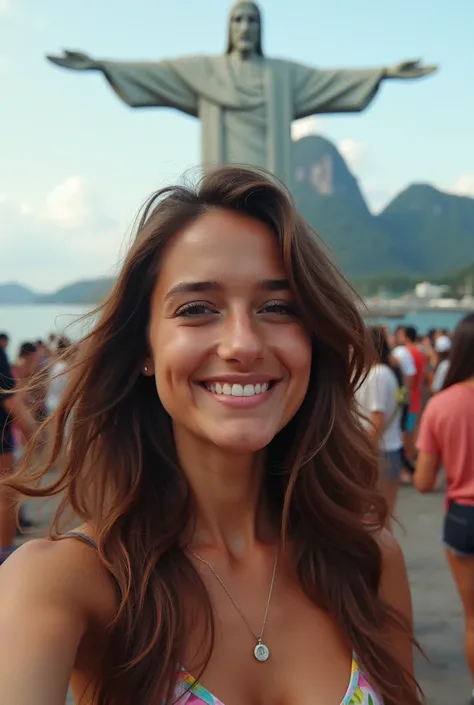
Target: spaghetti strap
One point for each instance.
(91, 542)
(79, 535)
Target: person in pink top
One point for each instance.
(446, 439)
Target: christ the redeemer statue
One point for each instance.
(245, 101)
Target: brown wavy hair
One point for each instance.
(461, 355)
(119, 470)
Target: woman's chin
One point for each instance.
(250, 440)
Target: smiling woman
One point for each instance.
(209, 443)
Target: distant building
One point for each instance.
(425, 290)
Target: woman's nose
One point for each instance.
(240, 339)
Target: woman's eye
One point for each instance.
(198, 308)
(279, 307)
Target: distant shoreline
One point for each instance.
(388, 312)
(82, 304)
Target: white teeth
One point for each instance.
(237, 390)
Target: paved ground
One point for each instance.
(444, 676)
(438, 617)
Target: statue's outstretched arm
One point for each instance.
(409, 69)
(76, 60)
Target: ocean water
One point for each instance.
(423, 321)
(29, 323)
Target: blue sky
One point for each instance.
(76, 163)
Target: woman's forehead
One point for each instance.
(223, 245)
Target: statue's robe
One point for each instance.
(246, 107)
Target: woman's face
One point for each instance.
(230, 357)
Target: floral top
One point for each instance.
(359, 692)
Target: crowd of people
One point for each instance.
(418, 404)
(231, 442)
(407, 371)
(22, 413)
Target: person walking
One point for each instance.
(380, 398)
(446, 439)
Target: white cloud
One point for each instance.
(67, 205)
(306, 126)
(464, 186)
(5, 5)
(65, 236)
(354, 152)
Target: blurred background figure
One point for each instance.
(13, 413)
(27, 361)
(447, 438)
(25, 367)
(44, 353)
(442, 349)
(52, 342)
(380, 399)
(57, 376)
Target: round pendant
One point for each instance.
(261, 652)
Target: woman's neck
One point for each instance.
(227, 487)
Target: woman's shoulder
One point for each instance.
(394, 590)
(451, 400)
(390, 547)
(63, 572)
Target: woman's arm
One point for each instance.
(377, 425)
(426, 470)
(429, 448)
(45, 610)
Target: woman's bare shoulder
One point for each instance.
(393, 560)
(394, 590)
(52, 595)
(67, 571)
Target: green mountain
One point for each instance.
(12, 293)
(422, 232)
(321, 169)
(83, 292)
(329, 198)
(433, 231)
(357, 243)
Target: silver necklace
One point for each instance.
(261, 650)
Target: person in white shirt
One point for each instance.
(379, 399)
(406, 362)
(57, 377)
(442, 348)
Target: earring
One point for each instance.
(145, 368)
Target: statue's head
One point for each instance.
(245, 29)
